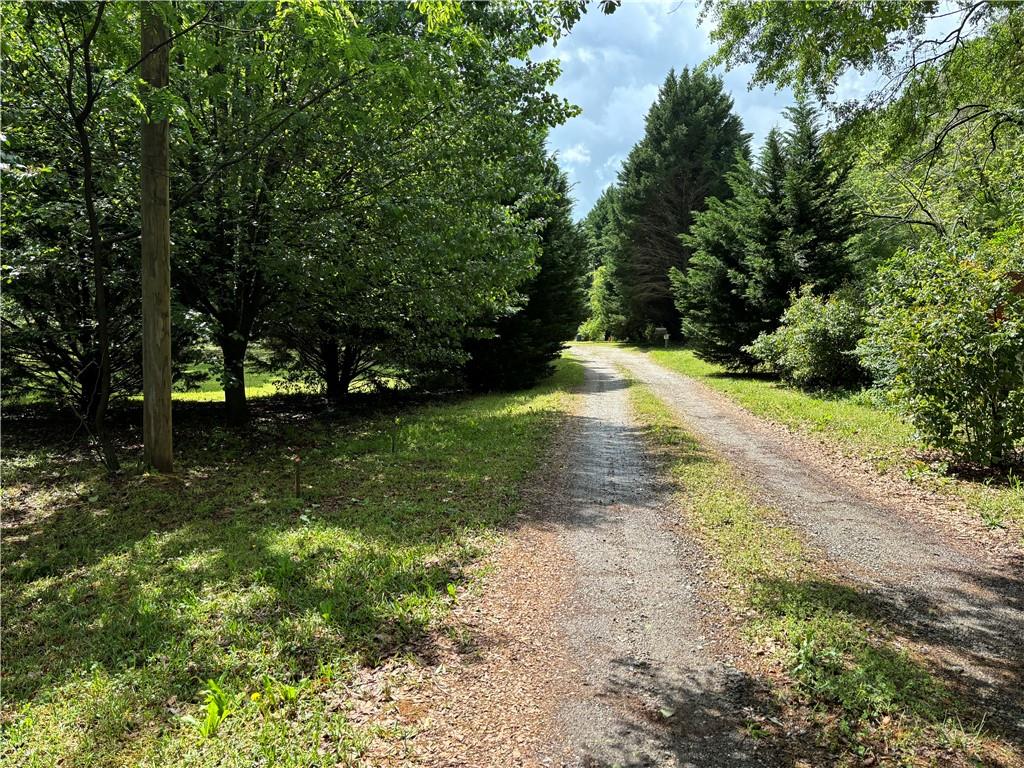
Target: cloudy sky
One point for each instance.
(612, 67)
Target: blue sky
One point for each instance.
(612, 67)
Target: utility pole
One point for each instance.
(158, 449)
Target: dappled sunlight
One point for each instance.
(150, 587)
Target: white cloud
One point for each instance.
(577, 154)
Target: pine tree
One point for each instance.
(771, 273)
(820, 214)
(527, 342)
(740, 276)
(691, 140)
(718, 318)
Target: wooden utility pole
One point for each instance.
(156, 255)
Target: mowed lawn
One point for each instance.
(215, 618)
(861, 426)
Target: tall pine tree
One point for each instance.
(717, 318)
(787, 224)
(771, 272)
(740, 276)
(820, 216)
(691, 141)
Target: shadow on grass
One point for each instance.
(160, 584)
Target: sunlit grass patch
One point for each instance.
(217, 618)
(866, 695)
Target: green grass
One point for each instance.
(215, 618)
(865, 695)
(856, 423)
(209, 390)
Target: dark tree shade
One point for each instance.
(692, 139)
(527, 342)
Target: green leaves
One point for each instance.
(946, 333)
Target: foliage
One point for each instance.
(691, 140)
(526, 342)
(810, 45)
(819, 213)
(71, 283)
(606, 320)
(602, 229)
(345, 179)
(787, 221)
(724, 297)
(946, 332)
(815, 343)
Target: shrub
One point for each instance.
(946, 332)
(815, 343)
(606, 320)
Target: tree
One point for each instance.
(71, 281)
(946, 335)
(809, 46)
(718, 317)
(690, 142)
(413, 229)
(156, 252)
(602, 231)
(771, 272)
(527, 341)
(740, 275)
(819, 212)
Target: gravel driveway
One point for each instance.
(636, 621)
(967, 614)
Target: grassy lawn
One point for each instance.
(863, 697)
(858, 425)
(215, 618)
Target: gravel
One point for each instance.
(965, 611)
(636, 620)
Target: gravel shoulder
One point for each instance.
(957, 604)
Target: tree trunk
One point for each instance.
(349, 362)
(329, 353)
(236, 405)
(156, 257)
(96, 409)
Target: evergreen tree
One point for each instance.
(771, 272)
(691, 141)
(718, 318)
(602, 229)
(526, 342)
(740, 276)
(820, 215)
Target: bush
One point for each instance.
(946, 332)
(815, 343)
(606, 320)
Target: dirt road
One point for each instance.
(600, 577)
(637, 622)
(966, 612)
